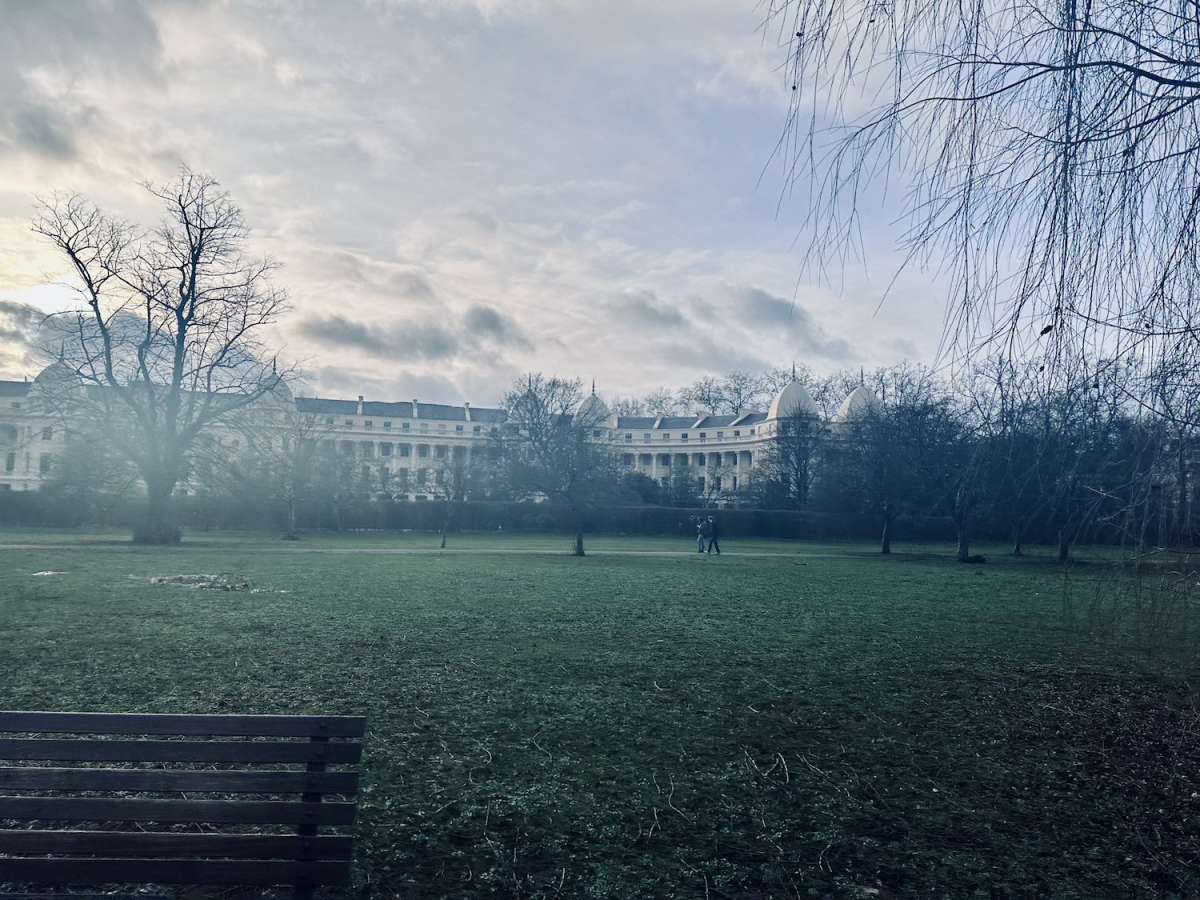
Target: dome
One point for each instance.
(861, 403)
(793, 400)
(593, 408)
(56, 374)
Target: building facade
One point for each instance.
(407, 443)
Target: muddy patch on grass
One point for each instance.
(206, 582)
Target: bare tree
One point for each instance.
(705, 395)
(551, 448)
(454, 482)
(743, 392)
(791, 462)
(168, 340)
(662, 402)
(1049, 151)
(280, 457)
(628, 406)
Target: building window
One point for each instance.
(424, 426)
(720, 435)
(737, 434)
(646, 438)
(627, 459)
(703, 436)
(458, 429)
(423, 450)
(439, 452)
(349, 423)
(329, 420)
(475, 430)
(44, 463)
(406, 426)
(16, 405)
(387, 426)
(10, 462)
(752, 431)
(369, 423)
(683, 437)
(385, 449)
(422, 475)
(441, 427)
(628, 438)
(459, 454)
(666, 437)
(405, 451)
(595, 432)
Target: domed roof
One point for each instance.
(861, 403)
(793, 400)
(58, 372)
(593, 408)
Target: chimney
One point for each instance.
(467, 407)
(415, 414)
(359, 411)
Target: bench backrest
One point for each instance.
(179, 756)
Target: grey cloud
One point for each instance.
(412, 284)
(420, 340)
(764, 310)
(72, 41)
(373, 275)
(707, 355)
(44, 131)
(495, 326)
(19, 321)
(645, 307)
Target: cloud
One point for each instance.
(645, 308)
(495, 326)
(434, 227)
(411, 340)
(765, 311)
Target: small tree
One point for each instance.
(550, 446)
(168, 340)
(454, 482)
(791, 461)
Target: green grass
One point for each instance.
(802, 720)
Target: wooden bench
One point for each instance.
(209, 842)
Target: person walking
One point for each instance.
(714, 532)
(700, 536)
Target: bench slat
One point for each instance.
(62, 809)
(200, 725)
(156, 843)
(162, 780)
(180, 751)
(174, 871)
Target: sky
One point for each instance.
(457, 191)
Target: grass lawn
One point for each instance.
(790, 720)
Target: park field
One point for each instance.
(788, 720)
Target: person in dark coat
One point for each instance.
(714, 533)
(701, 537)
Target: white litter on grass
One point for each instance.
(40, 574)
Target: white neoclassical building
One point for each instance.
(410, 440)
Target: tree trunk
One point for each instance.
(885, 542)
(964, 543)
(158, 526)
(443, 543)
(290, 533)
(1017, 536)
(1064, 545)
